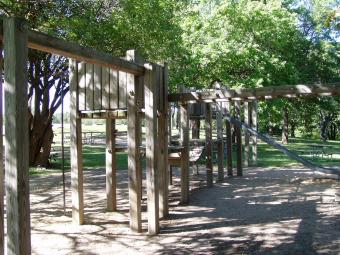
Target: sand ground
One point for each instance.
(267, 211)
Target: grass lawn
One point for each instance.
(94, 156)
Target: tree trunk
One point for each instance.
(41, 138)
(285, 127)
(292, 130)
(196, 126)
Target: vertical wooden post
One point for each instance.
(208, 144)
(111, 199)
(254, 138)
(229, 142)
(1, 162)
(185, 153)
(16, 139)
(151, 148)
(247, 121)
(238, 131)
(163, 143)
(134, 162)
(219, 142)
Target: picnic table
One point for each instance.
(320, 149)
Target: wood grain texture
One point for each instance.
(238, 132)
(16, 138)
(185, 181)
(76, 149)
(220, 170)
(208, 144)
(229, 142)
(110, 162)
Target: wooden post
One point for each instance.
(16, 139)
(134, 139)
(229, 142)
(238, 132)
(219, 142)
(247, 121)
(163, 142)
(151, 148)
(77, 178)
(208, 144)
(254, 138)
(1, 162)
(185, 153)
(111, 199)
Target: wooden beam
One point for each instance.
(247, 120)
(254, 137)
(185, 154)
(16, 138)
(219, 127)
(238, 132)
(134, 140)
(76, 149)
(208, 144)
(229, 142)
(151, 148)
(110, 158)
(163, 142)
(2, 239)
(50, 44)
(258, 93)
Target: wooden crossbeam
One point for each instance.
(257, 93)
(50, 44)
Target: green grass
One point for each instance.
(94, 156)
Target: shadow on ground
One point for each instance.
(268, 211)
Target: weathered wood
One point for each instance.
(113, 89)
(220, 170)
(50, 44)
(105, 88)
(134, 162)
(122, 90)
(2, 239)
(208, 144)
(110, 158)
(97, 87)
(16, 137)
(76, 149)
(238, 132)
(229, 142)
(82, 86)
(257, 93)
(247, 120)
(89, 87)
(185, 153)
(163, 143)
(254, 137)
(151, 148)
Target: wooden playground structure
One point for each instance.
(107, 87)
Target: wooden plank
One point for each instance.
(253, 137)
(134, 142)
(76, 149)
(122, 90)
(229, 142)
(82, 86)
(105, 88)
(2, 239)
(238, 132)
(110, 159)
(50, 44)
(163, 144)
(113, 89)
(97, 87)
(327, 89)
(151, 148)
(220, 170)
(208, 144)
(16, 138)
(185, 154)
(89, 87)
(247, 119)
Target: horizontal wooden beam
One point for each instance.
(50, 44)
(257, 93)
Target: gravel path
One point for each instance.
(268, 211)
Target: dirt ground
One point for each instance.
(268, 211)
